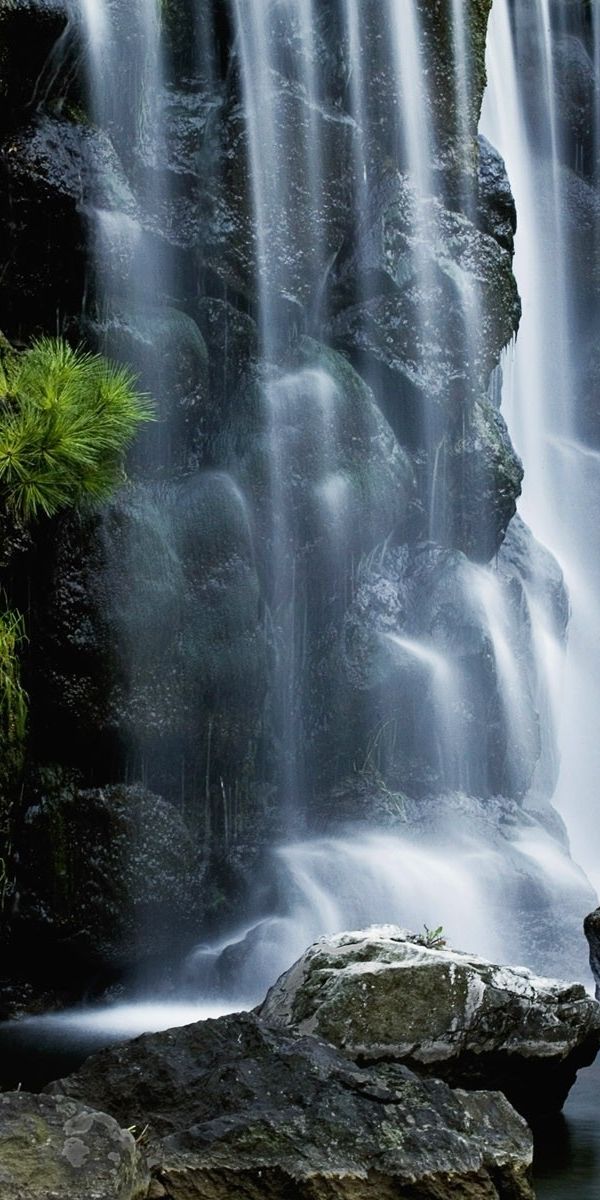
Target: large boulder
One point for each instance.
(386, 994)
(233, 1107)
(54, 1148)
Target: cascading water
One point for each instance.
(330, 661)
(123, 99)
(448, 686)
(553, 163)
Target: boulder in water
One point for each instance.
(235, 1108)
(385, 994)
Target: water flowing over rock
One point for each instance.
(548, 137)
(311, 608)
(386, 995)
(234, 1106)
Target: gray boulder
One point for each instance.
(53, 1148)
(387, 994)
(236, 1108)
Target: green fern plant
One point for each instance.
(66, 419)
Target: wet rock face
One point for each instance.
(433, 389)
(522, 555)
(44, 228)
(591, 928)
(382, 994)
(306, 234)
(54, 1148)
(108, 877)
(417, 646)
(497, 210)
(348, 483)
(479, 484)
(165, 348)
(179, 558)
(29, 30)
(232, 1105)
(464, 279)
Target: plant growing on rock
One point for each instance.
(13, 710)
(66, 419)
(13, 703)
(433, 939)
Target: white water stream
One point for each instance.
(544, 392)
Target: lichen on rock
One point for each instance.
(54, 1148)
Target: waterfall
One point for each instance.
(291, 266)
(124, 95)
(338, 653)
(545, 391)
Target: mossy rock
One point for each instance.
(54, 1148)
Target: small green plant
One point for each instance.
(433, 939)
(13, 701)
(13, 730)
(66, 419)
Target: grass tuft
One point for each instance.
(13, 700)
